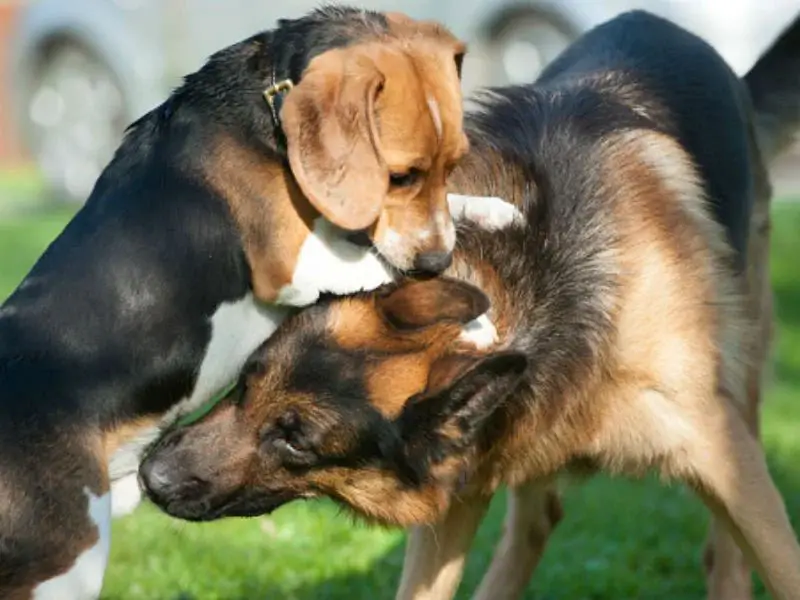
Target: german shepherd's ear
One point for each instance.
(415, 304)
(448, 418)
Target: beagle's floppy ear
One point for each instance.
(415, 304)
(332, 139)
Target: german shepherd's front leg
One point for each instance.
(534, 510)
(435, 554)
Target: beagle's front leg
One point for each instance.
(489, 212)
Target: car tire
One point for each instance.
(74, 115)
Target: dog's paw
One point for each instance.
(488, 212)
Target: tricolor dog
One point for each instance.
(627, 330)
(308, 159)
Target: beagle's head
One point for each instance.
(373, 129)
(377, 401)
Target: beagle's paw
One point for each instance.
(488, 212)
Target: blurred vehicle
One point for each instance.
(83, 69)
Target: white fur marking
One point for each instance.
(446, 229)
(329, 263)
(489, 212)
(423, 235)
(479, 332)
(435, 115)
(125, 495)
(392, 241)
(237, 329)
(84, 580)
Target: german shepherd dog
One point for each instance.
(628, 326)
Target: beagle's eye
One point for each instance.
(407, 179)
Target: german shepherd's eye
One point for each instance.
(289, 439)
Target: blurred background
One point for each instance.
(74, 73)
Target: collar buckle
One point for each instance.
(274, 96)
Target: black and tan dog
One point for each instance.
(628, 326)
(148, 303)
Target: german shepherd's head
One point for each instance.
(376, 401)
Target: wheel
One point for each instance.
(75, 115)
(522, 45)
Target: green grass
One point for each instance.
(620, 539)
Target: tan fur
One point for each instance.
(534, 510)
(124, 433)
(436, 553)
(241, 177)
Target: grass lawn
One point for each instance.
(619, 540)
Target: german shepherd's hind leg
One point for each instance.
(728, 469)
(534, 511)
(435, 555)
(728, 574)
(704, 441)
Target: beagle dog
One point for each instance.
(622, 326)
(304, 160)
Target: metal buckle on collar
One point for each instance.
(274, 97)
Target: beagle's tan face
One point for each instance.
(375, 401)
(373, 130)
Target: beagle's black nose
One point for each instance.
(433, 263)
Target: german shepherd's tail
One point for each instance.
(774, 86)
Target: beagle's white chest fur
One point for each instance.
(328, 263)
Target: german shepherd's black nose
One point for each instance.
(165, 480)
